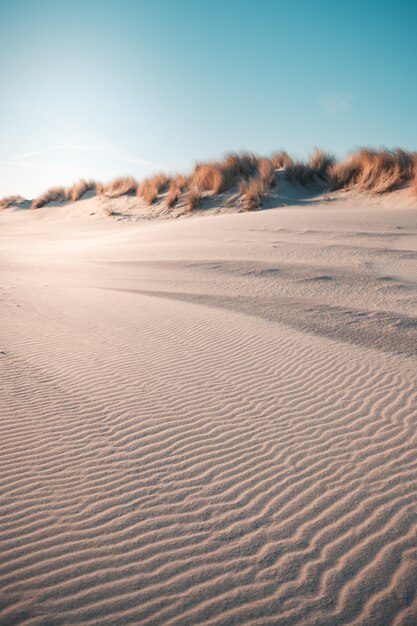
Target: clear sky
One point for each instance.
(98, 88)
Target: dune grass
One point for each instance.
(220, 176)
(8, 200)
(281, 160)
(173, 194)
(252, 194)
(192, 200)
(77, 190)
(250, 177)
(375, 171)
(53, 194)
(121, 186)
(211, 177)
(151, 187)
(314, 172)
(242, 164)
(266, 173)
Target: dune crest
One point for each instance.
(243, 181)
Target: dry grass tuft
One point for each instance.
(122, 186)
(241, 165)
(150, 188)
(182, 181)
(253, 176)
(282, 160)
(320, 163)
(176, 187)
(210, 177)
(193, 199)
(314, 172)
(54, 194)
(8, 200)
(173, 194)
(343, 174)
(252, 193)
(82, 186)
(384, 170)
(220, 176)
(266, 173)
(299, 173)
(376, 171)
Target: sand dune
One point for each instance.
(210, 421)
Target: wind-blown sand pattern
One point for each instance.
(210, 421)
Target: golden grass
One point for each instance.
(210, 177)
(375, 171)
(282, 160)
(176, 186)
(150, 188)
(8, 200)
(77, 190)
(314, 172)
(192, 199)
(241, 164)
(219, 176)
(320, 163)
(252, 193)
(173, 194)
(266, 172)
(299, 173)
(121, 186)
(181, 181)
(54, 194)
(251, 177)
(343, 174)
(379, 172)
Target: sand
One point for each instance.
(210, 420)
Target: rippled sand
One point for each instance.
(209, 421)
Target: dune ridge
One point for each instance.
(185, 438)
(245, 180)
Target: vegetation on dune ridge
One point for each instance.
(252, 193)
(53, 194)
(78, 189)
(192, 200)
(377, 171)
(121, 186)
(150, 188)
(8, 200)
(251, 177)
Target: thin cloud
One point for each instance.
(113, 154)
(129, 159)
(334, 102)
(53, 148)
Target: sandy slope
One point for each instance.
(210, 421)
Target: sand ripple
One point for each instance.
(171, 462)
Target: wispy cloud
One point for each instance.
(54, 148)
(29, 172)
(130, 159)
(335, 102)
(110, 153)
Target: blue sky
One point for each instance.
(98, 88)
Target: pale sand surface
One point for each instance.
(210, 420)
